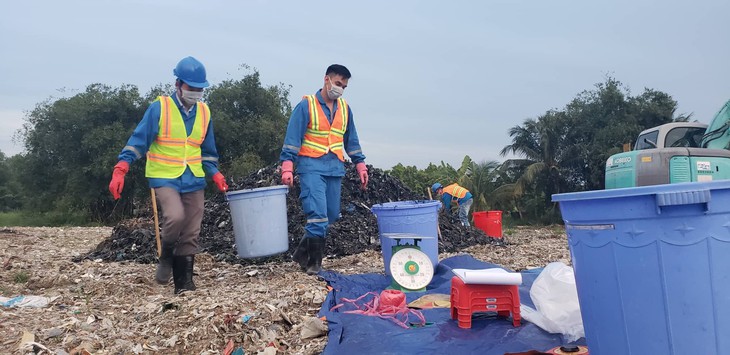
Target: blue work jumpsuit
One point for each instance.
(320, 178)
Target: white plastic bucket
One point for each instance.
(259, 221)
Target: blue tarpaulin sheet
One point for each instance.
(358, 334)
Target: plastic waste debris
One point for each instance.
(26, 301)
(556, 302)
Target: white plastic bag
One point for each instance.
(26, 301)
(556, 301)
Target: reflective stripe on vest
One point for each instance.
(455, 191)
(321, 137)
(173, 149)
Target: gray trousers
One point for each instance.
(182, 216)
(464, 211)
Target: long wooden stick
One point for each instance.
(438, 226)
(157, 225)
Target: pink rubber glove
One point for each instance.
(220, 182)
(287, 173)
(117, 183)
(362, 170)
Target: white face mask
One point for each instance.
(191, 97)
(335, 91)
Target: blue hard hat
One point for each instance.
(192, 72)
(436, 186)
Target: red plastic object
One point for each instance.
(480, 220)
(467, 299)
(490, 222)
(494, 224)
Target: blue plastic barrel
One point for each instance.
(259, 221)
(652, 267)
(412, 217)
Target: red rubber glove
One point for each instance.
(287, 173)
(220, 182)
(362, 170)
(117, 183)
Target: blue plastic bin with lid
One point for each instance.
(652, 267)
(410, 217)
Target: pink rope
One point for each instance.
(389, 304)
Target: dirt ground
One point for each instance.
(116, 307)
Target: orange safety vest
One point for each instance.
(455, 191)
(173, 149)
(321, 137)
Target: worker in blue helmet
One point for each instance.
(191, 72)
(455, 194)
(176, 138)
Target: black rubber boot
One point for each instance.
(178, 273)
(316, 249)
(164, 265)
(301, 254)
(182, 271)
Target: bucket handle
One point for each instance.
(683, 198)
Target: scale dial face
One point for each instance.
(411, 268)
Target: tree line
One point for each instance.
(562, 150)
(71, 144)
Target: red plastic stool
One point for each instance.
(467, 299)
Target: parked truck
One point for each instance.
(675, 152)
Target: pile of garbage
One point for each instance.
(356, 231)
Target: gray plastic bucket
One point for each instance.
(259, 221)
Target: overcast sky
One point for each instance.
(432, 80)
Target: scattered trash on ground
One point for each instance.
(104, 279)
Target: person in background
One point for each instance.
(321, 130)
(455, 194)
(176, 137)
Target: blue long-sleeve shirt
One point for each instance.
(146, 132)
(327, 164)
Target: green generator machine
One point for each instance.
(675, 152)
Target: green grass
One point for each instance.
(21, 277)
(557, 228)
(34, 219)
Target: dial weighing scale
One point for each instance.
(411, 270)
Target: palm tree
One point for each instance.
(480, 179)
(546, 156)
